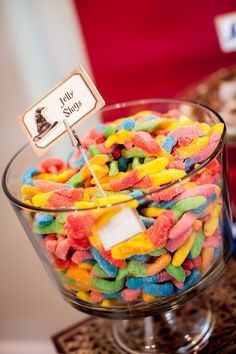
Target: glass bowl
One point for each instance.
(80, 274)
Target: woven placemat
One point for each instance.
(92, 336)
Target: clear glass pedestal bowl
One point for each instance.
(179, 323)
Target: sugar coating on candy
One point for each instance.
(128, 124)
(107, 267)
(166, 289)
(136, 283)
(130, 295)
(184, 223)
(144, 141)
(65, 198)
(132, 158)
(28, 174)
(176, 272)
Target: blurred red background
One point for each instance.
(144, 49)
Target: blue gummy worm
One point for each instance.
(201, 208)
(169, 143)
(165, 289)
(123, 164)
(188, 163)
(164, 205)
(141, 258)
(107, 267)
(128, 124)
(148, 222)
(136, 283)
(116, 295)
(43, 219)
(192, 279)
(28, 174)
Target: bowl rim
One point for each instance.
(217, 150)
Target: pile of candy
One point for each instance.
(133, 158)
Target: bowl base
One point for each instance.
(185, 330)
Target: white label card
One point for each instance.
(226, 31)
(73, 99)
(124, 225)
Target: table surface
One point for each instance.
(93, 336)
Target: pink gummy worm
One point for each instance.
(145, 142)
(212, 241)
(145, 182)
(95, 296)
(175, 243)
(177, 284)
(163, 276)
(80, 256)
(130, 294)
(48, 186)
(190, 131)
(184, 223)
(203, 190)
(125, 182)
(168, 194)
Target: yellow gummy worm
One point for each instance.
(195, 146)
(152, 167)
(182, 121)
(141, 114)
(87, 266)
(100, 160)
(86, 197)
(83, 296)
(166, 176)
(158, 265)
(61, 177)
(84, 205)
(121, 137)
(152, 212)
(90, 191)
(182, 252)
(211, 225)
(29, 191)
(160, 139)
(41, 199)
(112, 199)
(205, 128)
(139, 244)
(207, 256)
(108, 179)
(219, 127)
(64, 176)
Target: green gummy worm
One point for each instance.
(176, 272)
(53, 227)
(157, 252)
(187, 204)
(133, 152)
(76, 180)
(197, 245)
(99, 271)
(111, 129)
(147, 126)
(62, 217)
(134, 268)
(113, 168)
(136, 162)
(94, 150)
(108, 286)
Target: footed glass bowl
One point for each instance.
(128, 281)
